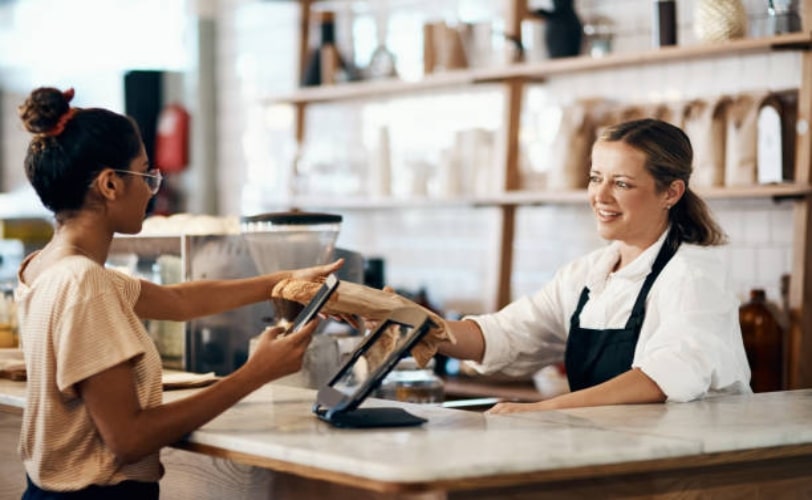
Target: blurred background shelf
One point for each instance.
(538, 71)
(776, 192)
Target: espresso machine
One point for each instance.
(252, 245)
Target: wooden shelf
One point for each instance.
(529, 198)
(378, 203)
(791, 41)
(371, 89)
(541, 70)
(775, 191)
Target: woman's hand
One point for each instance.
(508, 408)
(317, 273)
(631, 387)
(278, 354)
(320, 273)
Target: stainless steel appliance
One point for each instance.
(264, 244)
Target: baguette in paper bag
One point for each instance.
(368, 303)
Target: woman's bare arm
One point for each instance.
(194, 299)
(470, 343)
(132, 432)
(631, 387)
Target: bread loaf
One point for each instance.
(368, 303)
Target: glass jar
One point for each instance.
(290, 240)
(8, 317)
(599, 32)
(412, 384)
(782, 17)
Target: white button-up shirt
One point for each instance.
(690, 343)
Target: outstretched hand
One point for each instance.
(320, 273)
(317, 273)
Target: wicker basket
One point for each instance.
(719, 20)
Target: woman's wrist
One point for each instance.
(275, 278)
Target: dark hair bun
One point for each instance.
(42, 109)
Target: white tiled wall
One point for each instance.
(453, 252)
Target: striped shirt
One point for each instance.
(77, 320)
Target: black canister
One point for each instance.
(664, 25)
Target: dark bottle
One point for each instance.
(564, 29)
(324, 62)
(763, 342)
(664, 27)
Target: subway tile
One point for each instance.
(771, 263)
(756, 227)
(742, 261)
(784, 70)
(728, 72)
(781, 225)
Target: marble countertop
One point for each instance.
(276, 423)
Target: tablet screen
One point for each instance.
(377, 354)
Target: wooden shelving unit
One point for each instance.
(369, 89)
(539, 71)
(512, 79)
(776, 192)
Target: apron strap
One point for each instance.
(575, 319)
(669, 248)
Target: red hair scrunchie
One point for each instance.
(65, 118)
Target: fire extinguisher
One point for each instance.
(172, 139)
(171, 157)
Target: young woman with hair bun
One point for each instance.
(94, 421)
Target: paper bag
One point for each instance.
(705, 123)
(742, 139)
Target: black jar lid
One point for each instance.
(293, 218)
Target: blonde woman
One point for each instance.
(650, 317)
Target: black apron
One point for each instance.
(595, 356)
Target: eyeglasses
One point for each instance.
(152, 177)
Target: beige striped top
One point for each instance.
(76, 320)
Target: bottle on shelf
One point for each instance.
(564, 29)
(325, 65)
(783, 17)
(382, 62)
(763, 342)
(8, 318)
